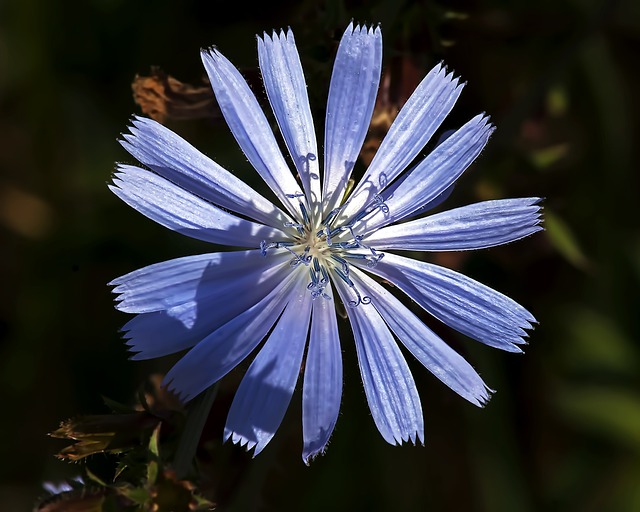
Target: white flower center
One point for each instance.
(324, 248)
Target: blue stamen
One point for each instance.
(264, 246)
(343, 262)
(305, 215)
(299, 258)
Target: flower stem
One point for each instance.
(197, 415)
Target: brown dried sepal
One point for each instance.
(112, 433)
(165, 98)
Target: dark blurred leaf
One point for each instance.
(562, 238)
(595, 343)
(611, 413)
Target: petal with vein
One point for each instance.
(181, 211)
(322, 389)
(170, 283)
(433, 175)
(250, 127)
(476, 226)
(352, 96)
(176, 315)
(221, 351)
(266, 389)
(287, 92)
(417, 121)
(389, 386)
(460, 302)
(440, 359)
(175, 159)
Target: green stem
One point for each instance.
(197, 414)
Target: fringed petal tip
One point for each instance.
(308, 456)
(414, 438)
(283, 35)
(244, 442)
(368, 28)
(211, 51)
(483, 396)
(168, 385)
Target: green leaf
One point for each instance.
(596, 344)
(152, 473)
(153, 442)
(611, 413)
(92, 476)
(563, 239)
(546, 157)
(138, 495)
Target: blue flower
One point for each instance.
(317, 249)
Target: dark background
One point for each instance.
(558, 77)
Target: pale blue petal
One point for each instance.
(181, 211)
(170, 283)
(184, 300)
(266, 389)
(287, 91)
(432, 176)
(440, 359)
(352, 96)
(175, 159)
(322, 389)
(389, 386)
(222, 350)
(250, 127)
(180, 327)
(457, 300)
(476, 226)
(420, 117)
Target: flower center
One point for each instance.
(325, 249)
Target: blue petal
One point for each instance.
(352, 96)
(322, 390)
(440, 359)
(460, 302)
(287, 91)
(181, 211)
(222, 350)
(186, 299)
(250, 127)
(420, 117)
(476, 226)
(178, 161)
(389, 386)
(170, 283)
(433, 175)
(265, 391)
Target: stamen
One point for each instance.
(374, 258)
(379, 203)
(360, 299)
(325, 275)
(303, 258)
(264, 246)
(331, 216)
(343, 262)
(317, 285)
(299, 227)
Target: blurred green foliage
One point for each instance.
(559, 79)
